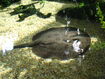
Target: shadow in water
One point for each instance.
(6, 3)
(82, 13)
(62, 1)
(80, 19)
(28, 10)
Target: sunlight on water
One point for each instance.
(7, 43)
(76, 45)
(68, 22)
(78, 31)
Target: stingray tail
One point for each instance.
(25, 45)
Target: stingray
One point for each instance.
(62, 43)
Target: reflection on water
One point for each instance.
(78, 31)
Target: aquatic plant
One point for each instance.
(100, 15)
(95, 10)
(98, 45)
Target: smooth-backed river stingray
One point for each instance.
(61, 42)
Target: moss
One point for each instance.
(93, 65)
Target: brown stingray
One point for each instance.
(58, 42)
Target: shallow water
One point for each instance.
(24, 64)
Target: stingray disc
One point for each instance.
(63, 43)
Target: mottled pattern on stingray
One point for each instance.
(62, 42)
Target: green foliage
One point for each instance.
(94, 10)
(100, 15)
(81, 4)
(98, 46)
(42, 1)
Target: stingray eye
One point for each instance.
(67, 41)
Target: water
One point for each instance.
(24, 64)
